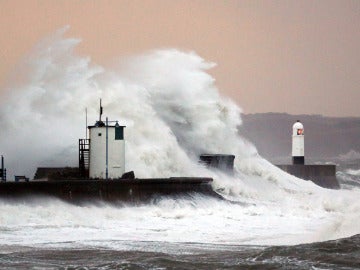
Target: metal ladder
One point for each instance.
(84, 157)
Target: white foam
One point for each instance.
(353, 172)
(173, 112)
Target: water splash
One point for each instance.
(173, 112)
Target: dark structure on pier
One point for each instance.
(2, 170)
(222, 162)
(322, 175)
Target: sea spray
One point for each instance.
(173, 112)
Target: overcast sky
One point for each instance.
(300, 57)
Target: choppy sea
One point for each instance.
(190, 234)
(336, 254)
(173, 112)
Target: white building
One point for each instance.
(107, 151)
(298, 153)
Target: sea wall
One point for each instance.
(322, 175)
(123, 190)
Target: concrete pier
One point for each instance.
(322, 175)
(66, 183)
(136, 190)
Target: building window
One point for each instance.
(119, 133)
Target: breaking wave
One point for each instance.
(173, 112)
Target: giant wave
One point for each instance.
(173, 112)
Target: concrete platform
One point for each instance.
(322, 175)
(124, 190)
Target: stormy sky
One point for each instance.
(299, 57)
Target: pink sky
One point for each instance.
(300, 57)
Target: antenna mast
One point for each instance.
(86, 124)
(101, 110)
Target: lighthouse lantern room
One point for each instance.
(298, 154)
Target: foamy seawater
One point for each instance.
(281, 218)
(173, 113)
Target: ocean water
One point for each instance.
(173, 112)
(189, 233)
(336, 254)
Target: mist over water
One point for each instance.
(173, 112)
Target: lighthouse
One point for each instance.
(298, 156)
(106, 149)
(322, 175)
